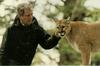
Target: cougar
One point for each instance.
(83, 36)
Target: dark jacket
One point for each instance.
(20, 42)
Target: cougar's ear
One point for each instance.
(67, 20)
(56, 20)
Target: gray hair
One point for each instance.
(22, 7)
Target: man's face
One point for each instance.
(26, 18)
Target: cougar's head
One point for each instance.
(63, 26)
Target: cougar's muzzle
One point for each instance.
(61, 30)
(62, 33)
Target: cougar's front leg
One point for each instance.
(85, 54)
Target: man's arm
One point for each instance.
(47, 41)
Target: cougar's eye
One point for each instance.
(58, 27)
(63, 26)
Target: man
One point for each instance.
(22, 38)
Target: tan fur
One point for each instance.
(83, 36)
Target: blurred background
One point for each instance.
(45, 11)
